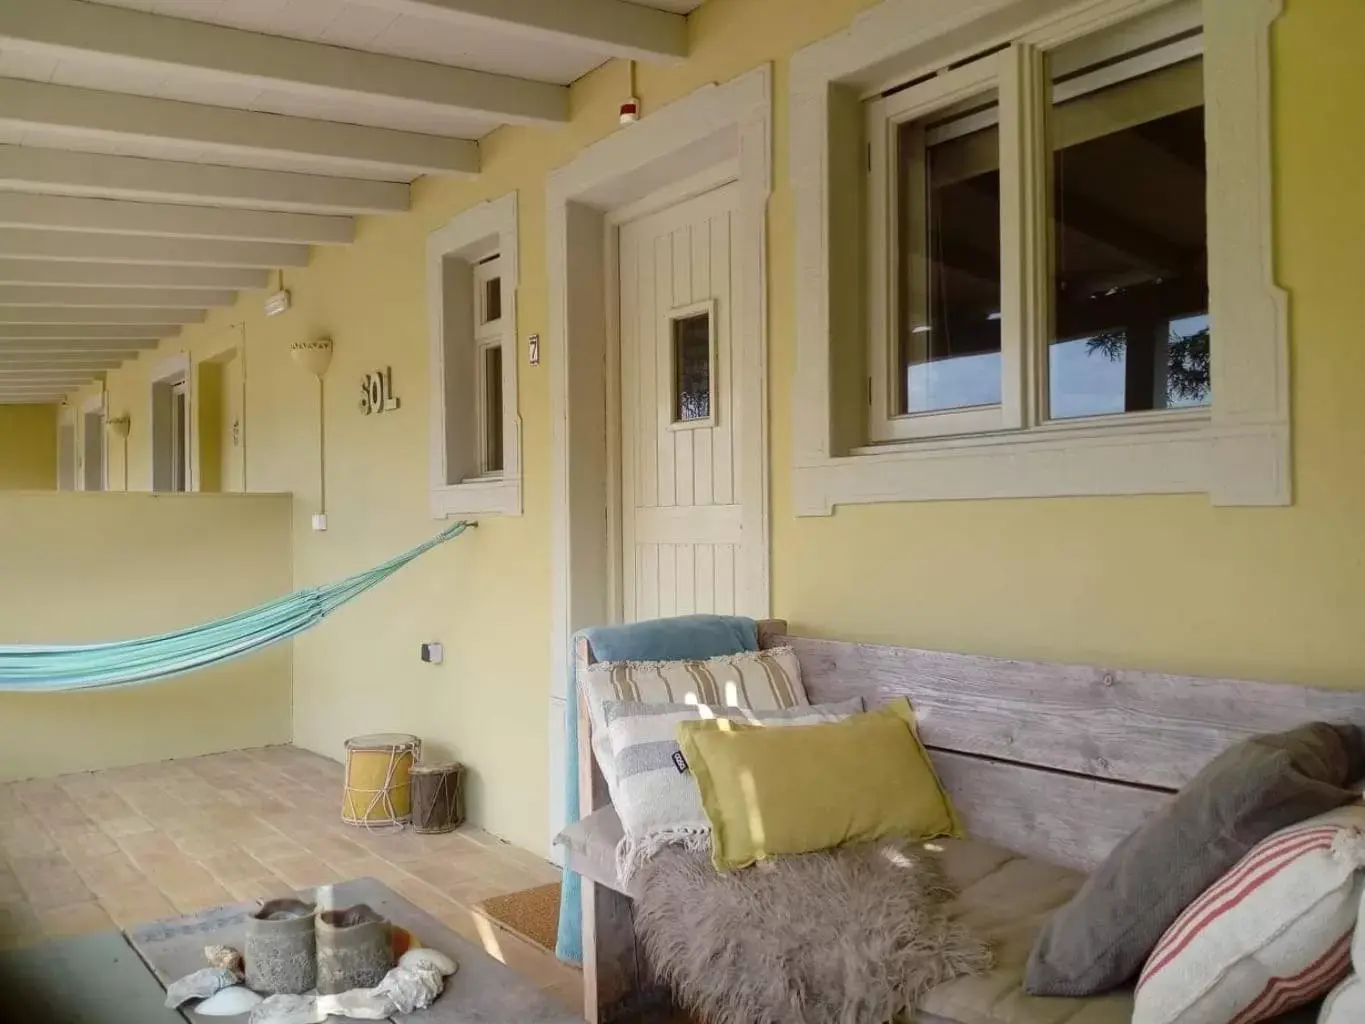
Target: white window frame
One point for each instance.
(706, 308)
(457, 331)
(884, 118)
(1237, 451)
(95, 405)
(488, 334)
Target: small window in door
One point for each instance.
(692, 336)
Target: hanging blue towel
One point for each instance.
(689, 636)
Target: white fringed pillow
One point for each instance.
(1272, 934)
(766, 680)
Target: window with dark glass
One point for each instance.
(1130, 314)
(692, 368)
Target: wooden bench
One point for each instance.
(1057, 762)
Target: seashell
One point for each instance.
(229, 1003)
(223, 956)
(435, 957)
(199, 985)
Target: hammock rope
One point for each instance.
(36, 668)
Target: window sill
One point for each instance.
(1235, 464)
(485, 495)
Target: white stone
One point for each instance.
(229, 1002)
(435, 957)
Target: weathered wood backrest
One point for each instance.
(1055, 761)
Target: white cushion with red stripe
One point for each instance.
(1271, 934)
(1346, 1003)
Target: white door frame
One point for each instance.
(715, 125)
(164, 375)
(67, 420)
(94, 404)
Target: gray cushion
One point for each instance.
(1100, 938)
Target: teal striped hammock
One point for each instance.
(32, 668)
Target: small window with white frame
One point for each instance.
(475, 433)
(1037, 238)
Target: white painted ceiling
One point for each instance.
(101, 256)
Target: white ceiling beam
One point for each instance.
(130, 335)
(100, 315)
(60, 361)
(69, 173)
(612, 28)
(76, 295)
(15, 271)
(34, 244)
(43, 383)
(74, 26)
(242, 134)
(64, 213)
(72, 349)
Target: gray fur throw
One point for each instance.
(849, 936)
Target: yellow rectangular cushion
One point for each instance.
(769, 792)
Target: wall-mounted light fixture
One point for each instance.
(316, 357)
(119, 426)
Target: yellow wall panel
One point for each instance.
(28, 447)
(97, 567)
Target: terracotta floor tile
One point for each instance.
(272, 845)
(303, 870)
(109, 873)
(190, 901)
(76, 919)
(133, 824)
(233, 865)
(259, 888)
(177, 878)
(84, 843)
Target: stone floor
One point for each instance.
(109, 849)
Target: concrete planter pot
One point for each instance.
(355, 949)
(281, 948)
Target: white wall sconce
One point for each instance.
(316, 358)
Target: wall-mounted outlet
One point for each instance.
(433, 653)
(320, 522)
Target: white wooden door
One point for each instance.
(692, 536)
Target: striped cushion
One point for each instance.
(654, 793)
(1270, 935)
(765, 680)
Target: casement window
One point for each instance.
(1060, 255)
(1115, 125)
(475, 432)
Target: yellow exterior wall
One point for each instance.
(28, 447)
(1165, 583)
(94, 567)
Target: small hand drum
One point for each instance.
(436, 802)
(379, 779)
